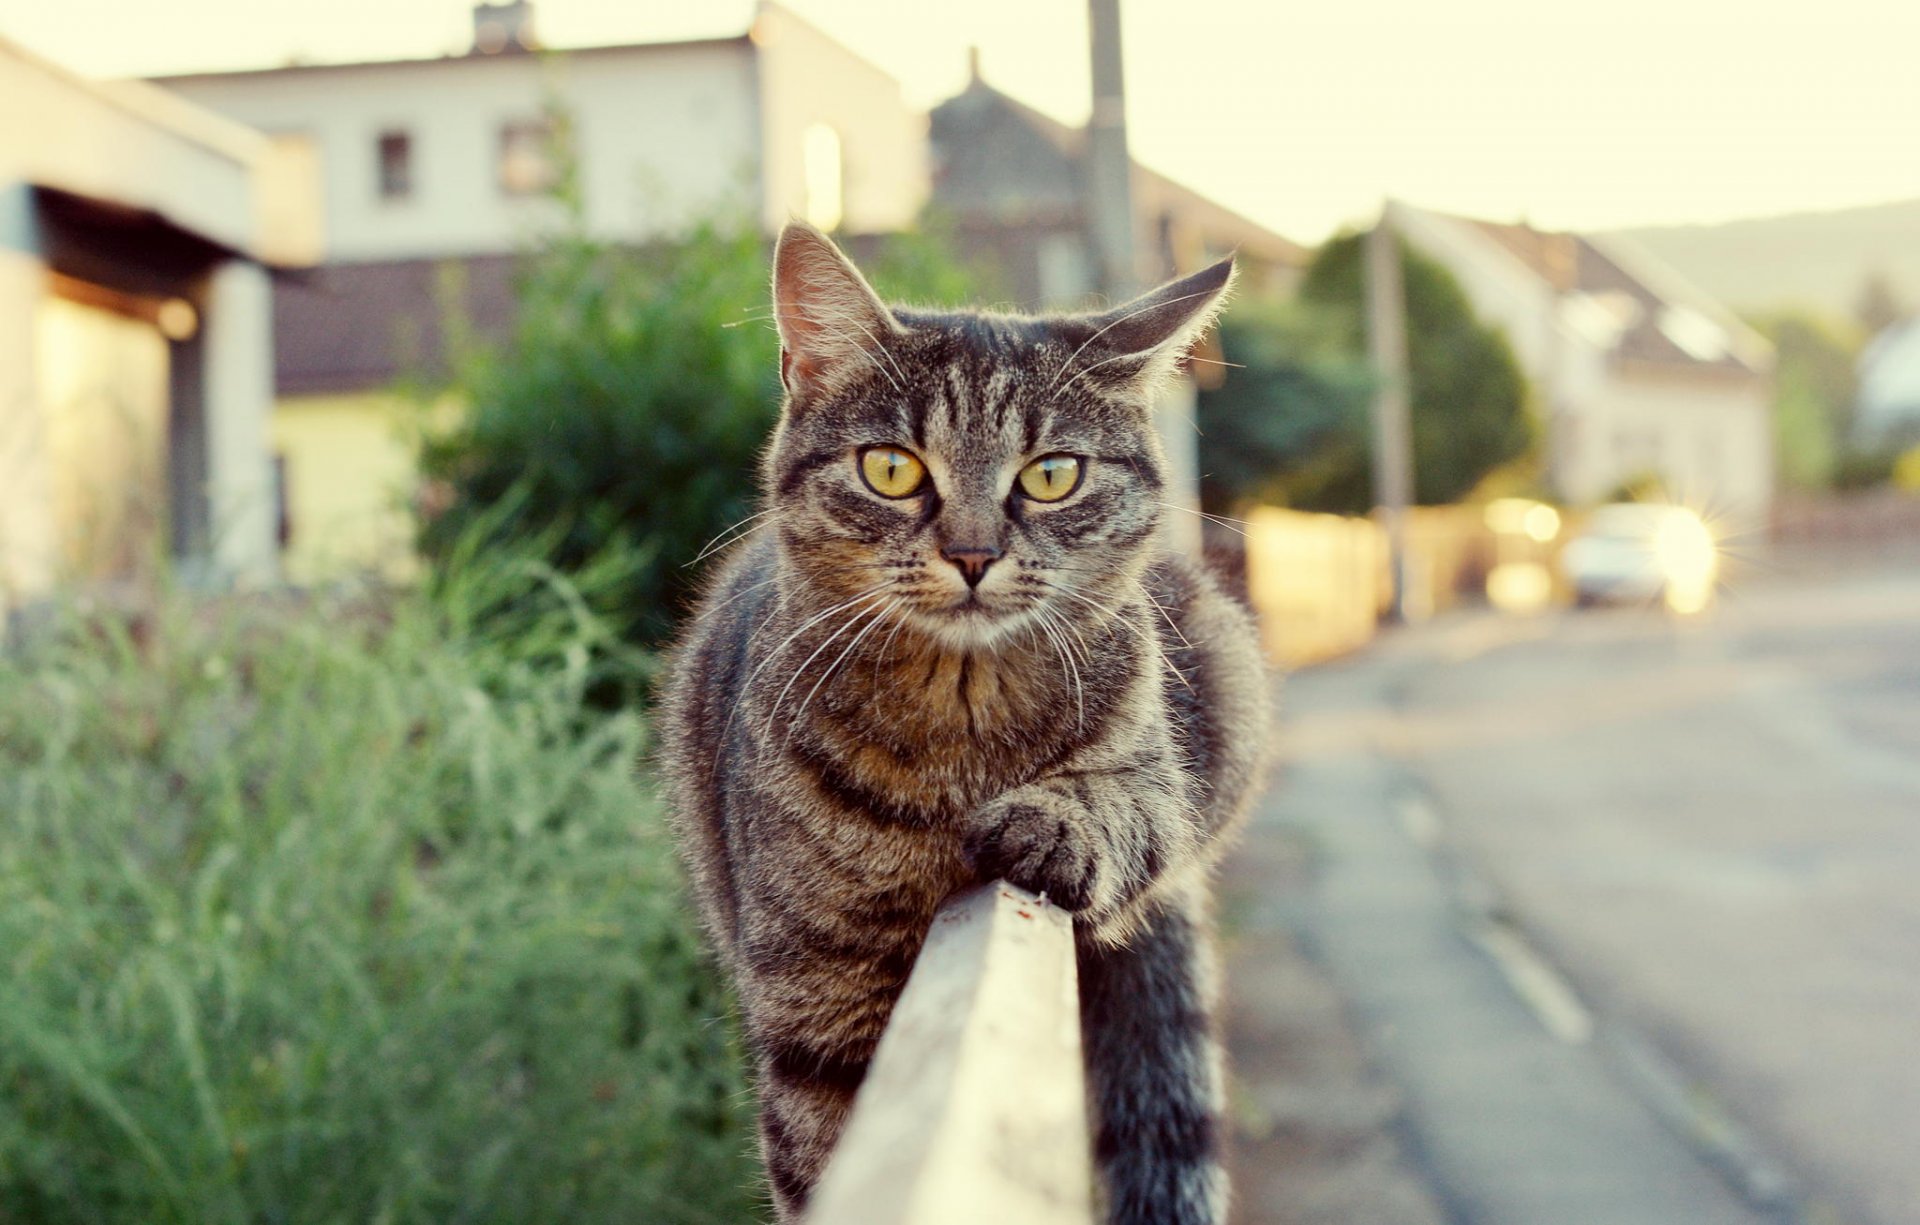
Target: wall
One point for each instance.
(807, 78)
(1709, 434)
(131, 147)
(350, 474)
(664, 133)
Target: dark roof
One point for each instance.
(355, 327)
(995, 150)
(1573, 263)
(465, 57)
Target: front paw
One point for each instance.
(1036, 844)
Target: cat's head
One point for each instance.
(963, 471)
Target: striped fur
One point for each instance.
(851, 734)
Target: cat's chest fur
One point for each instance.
(935, 733)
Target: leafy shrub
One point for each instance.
(1289, 418)
(336, 912)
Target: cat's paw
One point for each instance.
(1036, 845)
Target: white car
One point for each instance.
(1639, 552)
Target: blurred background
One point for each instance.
(376, 380)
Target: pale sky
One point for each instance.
(1570, 113)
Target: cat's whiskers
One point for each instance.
(720, 541)
(809, 624)
(1232, 525)
(1164, 614)
(878, 618)
(1119, 618)
(1045, 620)
(773, 711)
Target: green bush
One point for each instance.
(339, 913)
(624, 412)
(1289, 420)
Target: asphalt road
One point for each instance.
(1712, 832)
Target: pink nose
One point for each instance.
(972, 563)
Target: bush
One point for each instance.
(338, 913)
(623, 414)
(1288, 423)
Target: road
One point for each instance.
(1715, 831)
(1592, 919)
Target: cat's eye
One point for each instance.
(891, 472)
(1051, 477)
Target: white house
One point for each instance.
(1636, 372)
(427, 163)
(136, 352)
(1887, 405)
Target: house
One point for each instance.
(440, 170)
(1635, 372)
(138, 234)
(1013, 185)
(1886, 411)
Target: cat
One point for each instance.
(954, 650)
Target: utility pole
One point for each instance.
(1109, 195)
(1392, 430)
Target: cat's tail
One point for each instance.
(1154, 1065)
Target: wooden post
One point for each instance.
(974, 1108)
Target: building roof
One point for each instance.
(352, 327)
(1654, 318)
(1154, 192)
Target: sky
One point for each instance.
(1581, 114)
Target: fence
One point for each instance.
(974, 1108)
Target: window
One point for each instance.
(527, 165)
(396, 165)
(820, 160)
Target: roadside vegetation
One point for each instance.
(348, 909)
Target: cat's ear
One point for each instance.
(832, 325)
(1149, 336)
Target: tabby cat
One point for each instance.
(952, 651)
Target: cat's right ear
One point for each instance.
(832, 325)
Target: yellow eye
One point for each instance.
(1051, 477)
(891, 472)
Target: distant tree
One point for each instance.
(1467, 392)
(1287, 424)
(1878, 307)
(1814, 387)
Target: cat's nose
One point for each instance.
(972, 562)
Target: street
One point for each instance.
(1623, 910)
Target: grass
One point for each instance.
(337, 912)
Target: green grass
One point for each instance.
(337, 913)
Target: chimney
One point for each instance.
(507, 26)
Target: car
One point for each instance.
(1641, 552)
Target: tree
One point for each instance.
(1814, 387)
(1878, 306)
(1288, 422)
(1297, 410)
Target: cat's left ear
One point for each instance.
(832, 325)
(1157, 329)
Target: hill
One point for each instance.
(1808, 259)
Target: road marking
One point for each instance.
(1550, 998)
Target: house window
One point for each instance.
(820, 160)
(527, 163)
(396, 165)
